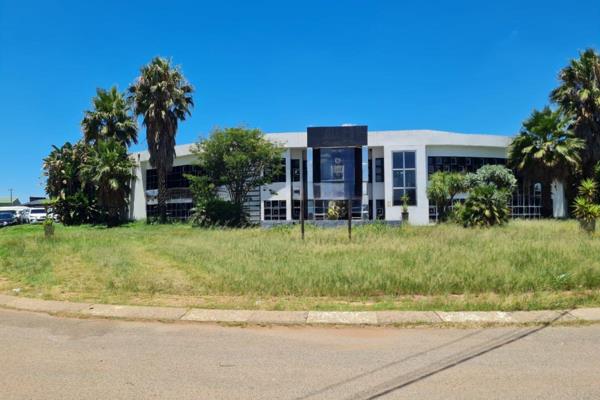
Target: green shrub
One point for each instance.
(486, 206)
(584, 208)
(219, 213)
(443, 188)
(496, 175)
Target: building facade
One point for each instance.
(369, 170)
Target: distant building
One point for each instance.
(7, 202)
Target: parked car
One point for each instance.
(23, 216)
(8, 218)
(37, 215)
(21, 212)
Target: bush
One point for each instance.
(496, 175)
(584, 208)
(443, 188)
(485, 206)
(219, 213)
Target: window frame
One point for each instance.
(281, 214)
(404, 169)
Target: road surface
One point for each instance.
(44, 357)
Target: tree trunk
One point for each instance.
(162, 195)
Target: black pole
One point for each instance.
(349, 212)
(301, 194)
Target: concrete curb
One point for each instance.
(260, 317)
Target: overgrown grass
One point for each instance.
(524, 265)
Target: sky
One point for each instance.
(462, 66)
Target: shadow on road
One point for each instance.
(432, 369)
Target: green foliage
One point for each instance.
(336, 210)
(546, 149)
(110, 170)
(219, 213)
(443, 188)
(163, 97)
(584, 208)
(75, 201)
(498, 176)
(203, 190)
(490, 189)
(486, 206)
(109, 119)
(239, 159)
(209, 210)
(578, 96)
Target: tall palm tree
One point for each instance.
(110, 170)
(578, 95)
(163, 97)
(110, 118)
(545, 150)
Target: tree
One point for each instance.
(240, 159)
(490, 189)
(73, 197)
(545, 151)
(163, 97)
(578, 96)
(497, 176)
(109, 119)
(109, 168)
(442, 190)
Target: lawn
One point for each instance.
(524, 265)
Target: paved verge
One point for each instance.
(296, 317)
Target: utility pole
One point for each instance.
(301, 194)
(11, 199)
(349, 215)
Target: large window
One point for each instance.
(460, 164)
(337, 165)
(275, 210)
(175, 211)
(280, 176)
(404, 175)
(175, 178)
(379, 170)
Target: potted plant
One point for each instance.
(405, 209)
(584, 208)
(48, 227)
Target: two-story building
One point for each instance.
(371, 169)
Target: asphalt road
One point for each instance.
(44, 357)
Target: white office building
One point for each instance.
(372, 170)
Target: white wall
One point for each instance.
(419, 214)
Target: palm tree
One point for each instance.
(163, 97)
(578, 96)
(546, 151)
(109, 168)
(110, 118)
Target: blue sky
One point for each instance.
(475, 67)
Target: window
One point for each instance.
(460, 164)
(404, 175)
(337, 165)
(280, 176)
(175, 178)
(175, 211)
(295, 170)
(379, 170)
(275, 210)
